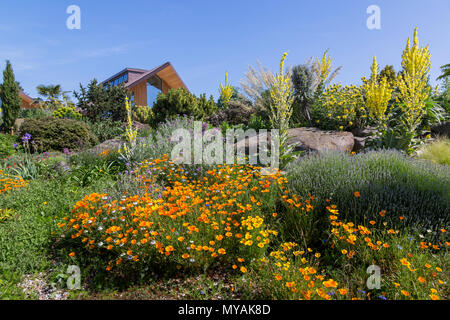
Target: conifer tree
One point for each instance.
(10, 98)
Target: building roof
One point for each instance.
(25, 97)
(165, 71)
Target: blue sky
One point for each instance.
(204, 38)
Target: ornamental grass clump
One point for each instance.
(177, 220)
(438, 151)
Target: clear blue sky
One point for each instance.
(204, 38)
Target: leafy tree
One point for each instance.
(181, 102)
(389, 73)
(98, 102)
(303, 83)
(10, 98)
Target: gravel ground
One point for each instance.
(37, 287)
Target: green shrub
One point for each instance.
(99, 103)
(142, 114)
(6, 145)
(181, 102)
(386, 180)
(107, 129)
(438, 151)
(160, 141)
(67, 112)
(237, 112)
(55, 134)
(89, 167)
(34, 113)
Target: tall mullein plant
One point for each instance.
(282, 98)
(377, 94)
(127, 151)
(413, 84)
(226, 91)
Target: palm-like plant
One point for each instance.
(51, 94)
(51, 91)
(445, 71)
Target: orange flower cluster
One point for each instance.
(294, 271)
(189, 221)
(351, 234)
(8, 182)
(304, 282)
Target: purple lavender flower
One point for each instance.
(14, 145)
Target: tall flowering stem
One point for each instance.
(377, 94)
(281, 95)
(323, 66)
(226, 91)
(130, 134)
(413, 83)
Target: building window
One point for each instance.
(154, 87)
(119, 80)
(132, 99)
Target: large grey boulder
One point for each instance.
(307, 139)
(112, 145)
(364, 132)
(362, 135)
(313, 139)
